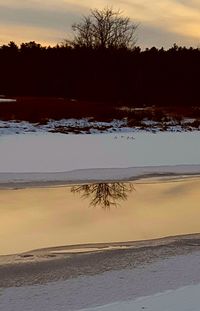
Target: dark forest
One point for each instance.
(135, 77)
(99, 69)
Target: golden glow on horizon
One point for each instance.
(171, 17)
(26, 34)
(48, 217)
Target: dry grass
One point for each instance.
(41, 109)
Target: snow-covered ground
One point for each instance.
(182, 299)
(8, 180)
(64, 126)
(90, 126)
(117, 290)
(7, 100)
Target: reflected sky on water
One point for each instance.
(48, 217)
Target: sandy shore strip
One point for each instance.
(20, 180)
(88, 280)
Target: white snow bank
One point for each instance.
(121, 286)
(183, 299)
(7, 100)
(64, 125)
(90, 126)
(115, 174)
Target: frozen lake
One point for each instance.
(50, 152)
(47, 217)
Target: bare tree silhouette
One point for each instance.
(104, 194)
(103, 29)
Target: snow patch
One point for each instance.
(117, 290)
(89, 126)
(182, 299)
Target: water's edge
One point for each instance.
(24, 180)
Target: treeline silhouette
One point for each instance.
(116, 76)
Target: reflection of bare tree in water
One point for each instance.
(104, 194)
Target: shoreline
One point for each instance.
(91, 276)
(55, 216)
(96, 175)
(52, 264)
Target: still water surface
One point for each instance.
(48, 217)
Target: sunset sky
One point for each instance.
(161, 22)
